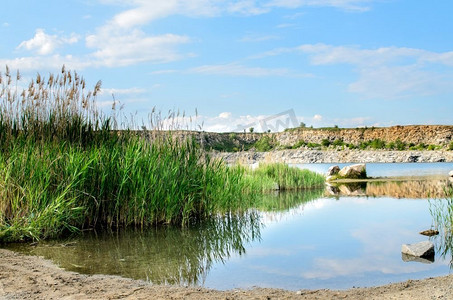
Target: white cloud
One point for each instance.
(234, 69)
(351, 5)
(246, 7)
(317, 118)
(237, 70)
(44, 44)
(397, 82)
(133, 47)
(121, 41)
(128, 91)
(327, 121)
(45, 62)
(258, 38)
(386, 72)
(225, 115)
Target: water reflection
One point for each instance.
(411, 189)
(442, 213)
(164, 255)
(168, 255)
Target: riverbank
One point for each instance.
(304, 156)
(31, 277)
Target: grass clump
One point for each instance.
(286, 177)
(442, 213)
(64, 166)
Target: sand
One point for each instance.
(32, 277)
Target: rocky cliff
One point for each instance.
(421, 136)
(415, 134)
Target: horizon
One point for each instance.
(346, 63)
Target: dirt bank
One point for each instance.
(30, 277)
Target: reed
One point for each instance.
(442, 213)
(288, 178)
(64, 166)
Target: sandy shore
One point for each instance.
(31, 277)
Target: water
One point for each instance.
(336, 238)
(389, 169)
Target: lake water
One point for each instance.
(338, 238)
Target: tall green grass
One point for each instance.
(64, 167)
(442, 213)
(286, 177)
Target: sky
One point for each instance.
(231, 65)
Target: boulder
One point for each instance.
(422, 249)
(429, 232)
(353, 171)
(450, 174)
(333, 170)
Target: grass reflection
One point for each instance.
(442, 212)
(169, 254)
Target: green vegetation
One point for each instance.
(325, 143)
(299, 144)
(314, 146)
(171, 255)
(450, 147)
(442, 213)
(286, 177)
(377, 144)
(64, 166)
(265, 143)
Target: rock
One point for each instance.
(333, 170)
(422, 249)
(429, 232)
(450, 174)
(413, 158)
(353, 171)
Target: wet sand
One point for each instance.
(31, 277)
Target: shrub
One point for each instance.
(338, 143)
(325, 143)
(299, 144)
(313, 145)
(399, 145)
(265, 143)
(377, 144)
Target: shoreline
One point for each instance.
(304, 156)
(32, 277)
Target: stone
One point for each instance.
(429, 232)
(450, 174)
(353, 171)
(333, 170)
(413, 158)
(422, 249)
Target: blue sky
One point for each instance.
(330, 62)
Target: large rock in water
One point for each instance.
(353, 171)
(422, 249)
(333, 170)
(450, 174)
